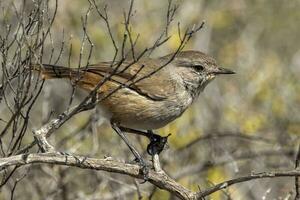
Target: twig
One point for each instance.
(140, 197)
(200, 167)
(217, 135)
(262, 175)
(297, 162)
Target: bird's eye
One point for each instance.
(198, 67)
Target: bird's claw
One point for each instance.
(157, 144)
(144, 170)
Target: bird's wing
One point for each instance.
(144, 77)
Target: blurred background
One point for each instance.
(248, 122)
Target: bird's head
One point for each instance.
(197, 69)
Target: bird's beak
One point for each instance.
(221, 70)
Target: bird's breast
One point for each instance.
(131, 110)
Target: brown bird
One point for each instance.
(145, 95)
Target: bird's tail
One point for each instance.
(54, 71)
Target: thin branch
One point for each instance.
(252, 176)
(297, 163)
(218, 135)
(203, 166)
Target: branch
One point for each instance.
(250, 177)
(161, 180)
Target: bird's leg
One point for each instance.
(157, 142)
(134, 131)
(138, 157)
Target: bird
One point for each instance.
(144, 95)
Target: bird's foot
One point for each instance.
(157, 143)
(144, 170)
